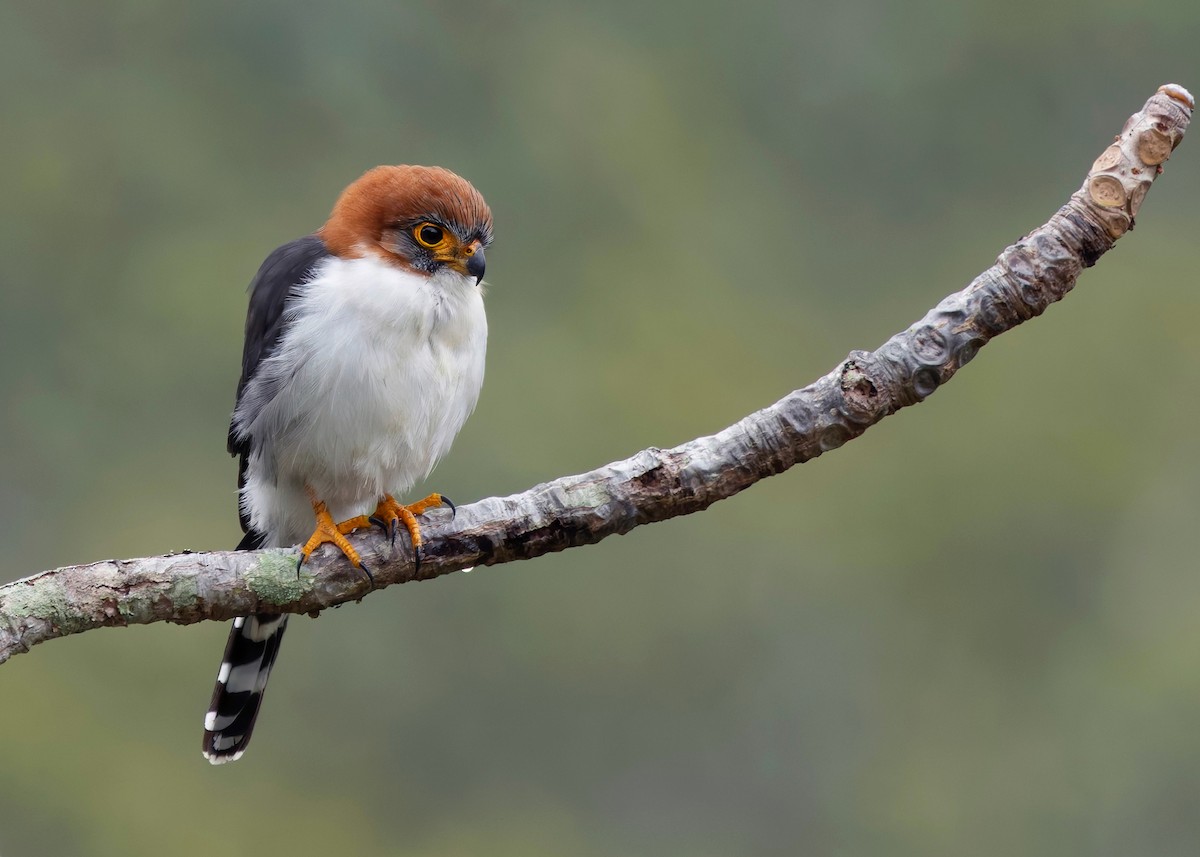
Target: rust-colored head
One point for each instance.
(419, 218)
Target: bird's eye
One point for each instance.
(429, 234)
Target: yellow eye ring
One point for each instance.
(429, 234)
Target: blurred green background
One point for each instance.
(973, 631)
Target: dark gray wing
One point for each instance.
(283, 273)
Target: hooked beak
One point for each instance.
(475, 261)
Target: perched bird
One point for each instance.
(363, 358)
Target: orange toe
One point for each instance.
(329, 533)
(389, 514)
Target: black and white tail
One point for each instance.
(249, 656)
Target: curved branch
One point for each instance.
(655, 484)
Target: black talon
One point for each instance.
(446, 501)
(416, 560)
(389, 529)
(367, 572)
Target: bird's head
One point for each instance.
(422, 219)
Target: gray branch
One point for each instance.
(655, 484)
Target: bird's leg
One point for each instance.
(389, 515)
(329, 533)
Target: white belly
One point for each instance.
(375, 375)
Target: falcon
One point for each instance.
(363, 358)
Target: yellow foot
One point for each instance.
(389, 515)
(329, 533)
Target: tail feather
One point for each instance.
(249, 655)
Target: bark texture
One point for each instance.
(654, 484)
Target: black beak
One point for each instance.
(476, 265)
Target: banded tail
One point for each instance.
(242, 680)
(249, 656)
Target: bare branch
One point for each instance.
(655, 484)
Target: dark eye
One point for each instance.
(429, 234)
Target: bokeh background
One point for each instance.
(973, 631)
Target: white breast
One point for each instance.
(377, 371)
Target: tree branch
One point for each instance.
(655, 484)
